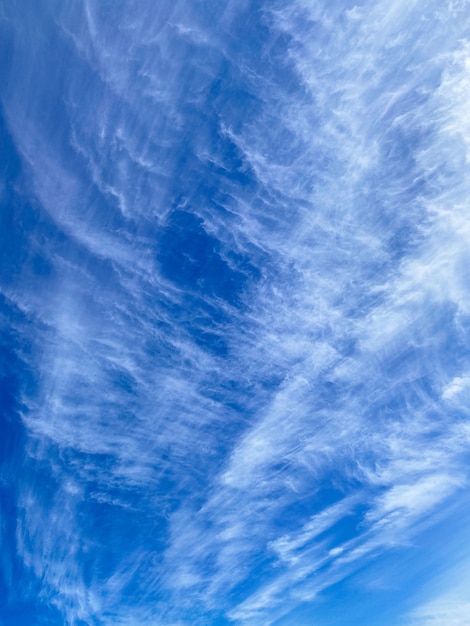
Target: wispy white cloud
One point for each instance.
(446, 612)
(329, 427)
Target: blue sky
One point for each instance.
(235, 306)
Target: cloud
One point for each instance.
(450, 613)
(249, 349)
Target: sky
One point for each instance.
(235, 313)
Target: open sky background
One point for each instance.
(235, 312)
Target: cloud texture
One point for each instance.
(235, 295)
